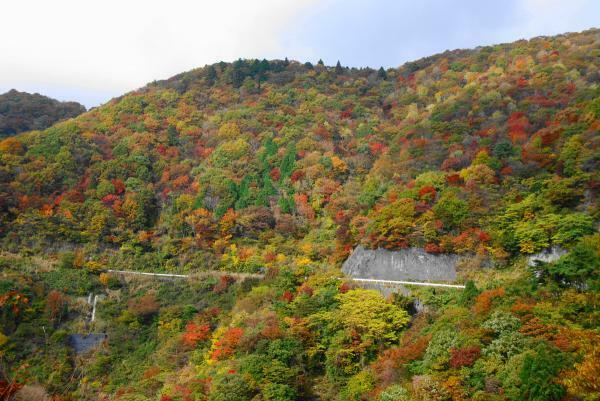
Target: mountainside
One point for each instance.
(283, 168)
(21, 111)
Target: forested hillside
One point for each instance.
(21, 111)
(283, 168)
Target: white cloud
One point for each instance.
(111, 46)
(551, 17)
(91, 50)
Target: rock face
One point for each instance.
(546, 256)
(83, 343)
(405, 265)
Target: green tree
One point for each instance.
(289, 161)
(279, 392)
(581, 265)
(391, 225)
(230, 387)
(211, 75)
(538, 382)
(381, 74)
(451, 210)
(367, 313)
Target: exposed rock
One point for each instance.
(83, 343)
(412, 264)
(546, 256)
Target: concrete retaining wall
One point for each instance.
(412, 264)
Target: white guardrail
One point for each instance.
(364, 280)
(147, 274)
(372, 280)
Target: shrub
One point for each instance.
(505, 346)
(483, 302)
(144, 306)
(195, 333)
(230, 387)
(464, 356)
(502, 322)
(437, 354)
(394, 393)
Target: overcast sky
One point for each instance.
(92, 50)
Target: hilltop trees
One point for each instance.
(20, 111)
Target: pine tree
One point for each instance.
(172, 135)
(243, 193)
(289, 161)
(238, 73)
(211, 75)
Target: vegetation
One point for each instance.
(20, 111)
(282, 168)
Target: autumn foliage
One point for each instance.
(225, 346)
(484, 301)
(195, 333)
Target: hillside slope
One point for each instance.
(283, 167)
(21, 111)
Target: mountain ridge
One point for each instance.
(22, 111)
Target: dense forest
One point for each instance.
(282, 168)
(21, 111)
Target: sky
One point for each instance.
(93, 50)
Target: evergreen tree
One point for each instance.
(211, 75)
(172, 135)
(286, 204)
(289, 161)
(270, 149)
(381, 74)
(238, 73)
(243, 193)
(267, 190)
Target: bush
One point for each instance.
(502, 322)
(505, 346)
(469, 293)
(230, 387)
(464, 356)
(358, 386)
(538, 375)
(394, 393)
(144, 306)
(71, 281)
(437, 354)
(66, 260)
(279, 392)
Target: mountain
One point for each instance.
(21, 111)
(282, 168)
